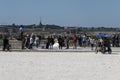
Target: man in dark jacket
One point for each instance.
(60, 41)
(67, 41)
(6, 43)
(107, 45)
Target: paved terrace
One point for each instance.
(79, 49)
(59, 66)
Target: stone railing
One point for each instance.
(15, 44)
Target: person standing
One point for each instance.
(31, 42)
(80, 40)
(56, 44)
(107, 45)
(117, 40)
(84, 38)
(27, 41)
(6, 43)
(60, 41)
(67, 41)
(74, 42)
(37, 41)
(21, 32)
(47, 42)
(113, 41)
(23, 42)
(51, 42)
(92, 43)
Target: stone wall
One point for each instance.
(15, 44)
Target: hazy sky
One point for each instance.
(61, 12)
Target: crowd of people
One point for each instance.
(60, 41)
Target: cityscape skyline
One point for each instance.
(88, 13)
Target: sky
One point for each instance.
(88, 13)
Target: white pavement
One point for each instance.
(79, 49)
(59, 66)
